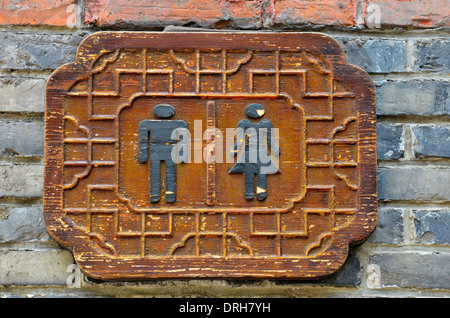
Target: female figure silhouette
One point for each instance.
(252, 151)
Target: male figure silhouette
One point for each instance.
(255, 159)
(157, 135)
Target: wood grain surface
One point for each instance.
(130, 210)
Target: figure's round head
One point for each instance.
(164, 111)
(255, 110)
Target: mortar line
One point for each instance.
(405, 204)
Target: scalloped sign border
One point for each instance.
(108, 266)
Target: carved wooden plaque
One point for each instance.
(210, 155)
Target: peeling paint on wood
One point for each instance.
(296, 222)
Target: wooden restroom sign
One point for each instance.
(210, 155)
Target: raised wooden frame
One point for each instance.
(90, 203)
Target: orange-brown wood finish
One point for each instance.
(130, 212)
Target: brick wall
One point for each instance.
(403, 45)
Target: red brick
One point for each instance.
(258, 13)
(204, 13)
(319, 12)
(414, 13)
(37, 12)
(226, 13)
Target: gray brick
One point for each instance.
(22, 224)
(21, 180)
(432, 227)
(415, 97)
(38, 51)
(389, 141)
(349, 274)
(21, 138)
(414, 183)
(389, 229)
(413, 270)
(34, 267)
(22, 94)
(433, 55)
(376, 55)
(432, 140)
